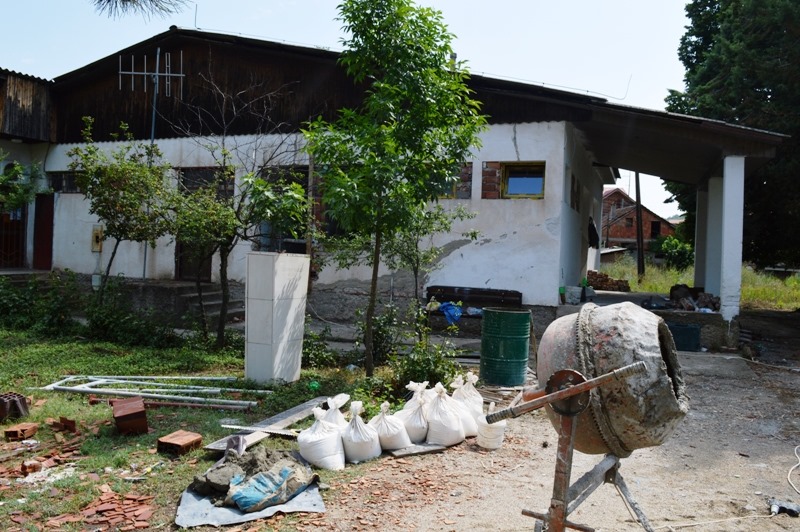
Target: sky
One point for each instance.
(621, 50)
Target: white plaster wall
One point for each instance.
(575, 252)
(520, 243)
(72, 245)
(73, 223)
(528, 245)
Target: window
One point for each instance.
(655, 229)
(523, 181)
(628, 222)
(63, 182)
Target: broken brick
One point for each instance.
(22, 431)
(130, 415)
(179, 442)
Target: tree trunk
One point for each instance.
(369, 360)
(224, 253)
(104, 279)
(203, 318)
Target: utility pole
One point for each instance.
(639, 232)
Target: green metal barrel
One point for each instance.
(505, 341)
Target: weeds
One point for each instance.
(759, 289)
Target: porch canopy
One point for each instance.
(714, 156)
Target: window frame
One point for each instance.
(539, 166)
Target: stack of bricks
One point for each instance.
(601, 281)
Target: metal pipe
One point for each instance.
(154, 396)
(522, 408)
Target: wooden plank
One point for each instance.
(421, 448)
(278, 421)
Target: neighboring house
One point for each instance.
(534, 183)
(620, 222)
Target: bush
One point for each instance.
(386, 333)
(316, 353)
(114, 320)
(45, 308)
(678, 255)
(425, 362)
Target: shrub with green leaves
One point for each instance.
(386, 334)
(316, 353)
(425, 362)
(677, 254)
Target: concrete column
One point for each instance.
(731, 241)
(700, 237)
(714, 236)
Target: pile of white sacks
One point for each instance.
(430, 416)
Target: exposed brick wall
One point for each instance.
(492, 175)
(464, 185)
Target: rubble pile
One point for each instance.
(601, 281)
(684, 297)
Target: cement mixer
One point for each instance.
(641, 411)
(614, 385)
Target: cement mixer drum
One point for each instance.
(640, 411)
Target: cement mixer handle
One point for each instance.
(629, 370)
(517, 410)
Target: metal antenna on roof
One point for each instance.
(156, 74)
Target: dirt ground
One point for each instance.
(730, 455)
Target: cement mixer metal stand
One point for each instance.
(567, 391)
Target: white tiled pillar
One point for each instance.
(700, 238)
(275, 308)
(731, 241)
(714, 236)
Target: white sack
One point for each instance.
(444, 422)
(361, 442)
(414, 420)
(467, 394)
(321, 443)
(391, 431)
(333, 414)
(417, 392)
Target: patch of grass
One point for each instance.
(32, 361)
(759, 289)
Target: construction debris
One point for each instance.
(130, 416)
(278, 421)
(148, 388)
(601, 281)
(22, 431)
(111, 510)
(13, 406)
(179, 442)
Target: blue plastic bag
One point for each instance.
(452, 313)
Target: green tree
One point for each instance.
(18, 185)
(740, 58)
(252, 181)
(411, 247)
(213, 220)
(381, 163)
(127, 189)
